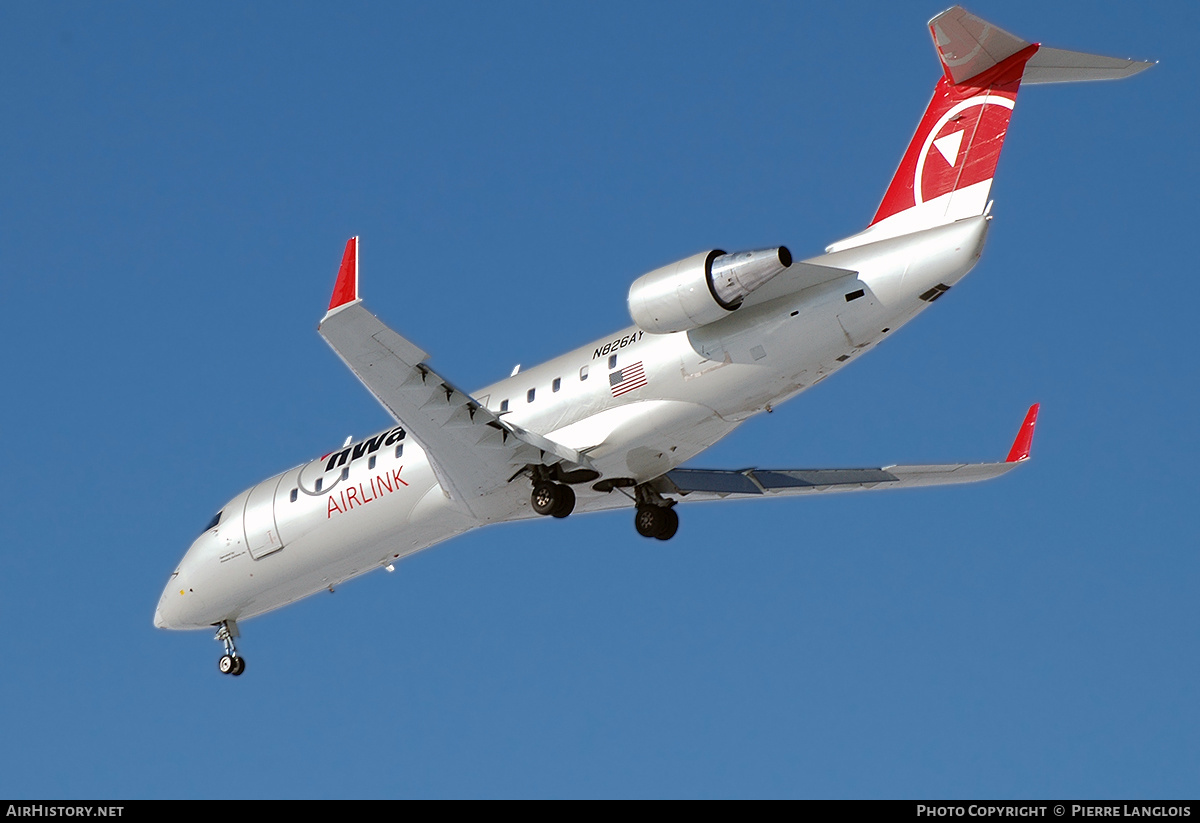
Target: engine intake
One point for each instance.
(701, 289)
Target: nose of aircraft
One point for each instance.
(179, 606)
(166, 612)
(184, 602)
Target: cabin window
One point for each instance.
(346, 473)
(503, 405)
(612, 361)
(557, 384)
(529, 395)
(371, 462)
(583, 374)
(400, 450)
(294, 494)
(320, 483)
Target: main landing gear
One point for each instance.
(655, 515)
(552, 494)
(658, 521)
(554, 499)
(231, 662)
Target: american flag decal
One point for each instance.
(627, 379)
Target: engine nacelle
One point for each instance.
(702, 288)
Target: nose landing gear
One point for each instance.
(231, 662)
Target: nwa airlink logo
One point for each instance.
(352, 453)
(344, 497)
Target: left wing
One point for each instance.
(716, 484)
(472, 451)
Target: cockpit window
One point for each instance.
(212, 524)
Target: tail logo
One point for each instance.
(948, 146)
(974, 138)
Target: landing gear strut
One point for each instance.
(231, 662)
(554, 499)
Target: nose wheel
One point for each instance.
(231, 662)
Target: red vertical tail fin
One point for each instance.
(951, 160)
(946, 172)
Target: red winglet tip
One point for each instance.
(346, 289)
(1021, 446)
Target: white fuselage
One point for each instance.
(321, 523)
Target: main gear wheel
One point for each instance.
(554, 499)
(660, 522)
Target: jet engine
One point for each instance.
(702, 288)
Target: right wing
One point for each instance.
(472, 450)
(717, 484)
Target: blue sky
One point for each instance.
(178, 184)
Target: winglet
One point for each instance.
(346, 289)
(1021, 446)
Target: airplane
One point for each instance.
(717, 338)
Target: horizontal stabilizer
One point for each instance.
(968, 45)
(1062, 66)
